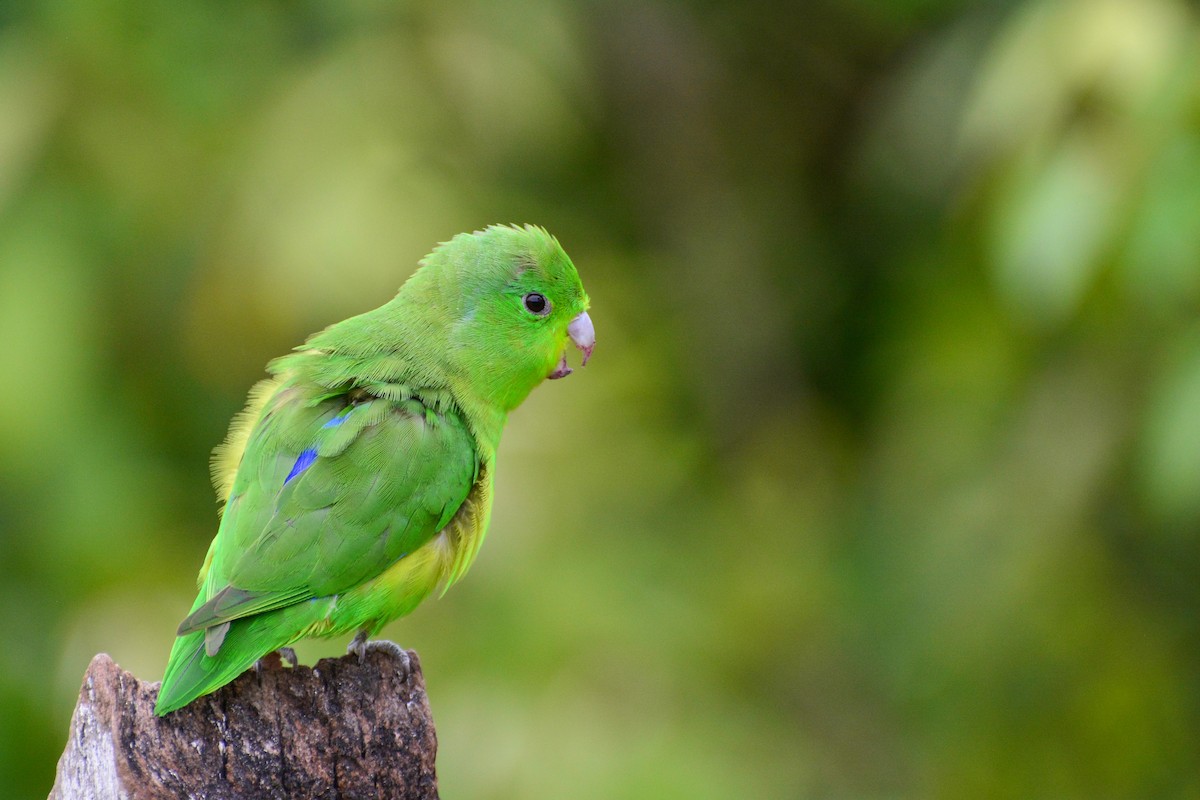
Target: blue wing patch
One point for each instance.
(303, 462)
(333, 423)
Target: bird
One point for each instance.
(358, 479)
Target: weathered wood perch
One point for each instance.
(341, 729)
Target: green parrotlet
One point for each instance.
(358, 480)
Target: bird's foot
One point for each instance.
(275, 659)
(389, 647)
(289, 655)
(360, 646)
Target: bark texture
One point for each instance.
(341, 729)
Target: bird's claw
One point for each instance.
(360, 646)
(279, 654)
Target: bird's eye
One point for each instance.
(537, 304)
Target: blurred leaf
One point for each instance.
(1171, 444)
(1052, 226)
(1162, 262)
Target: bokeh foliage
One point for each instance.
(884, 481)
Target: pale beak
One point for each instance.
(583, 334)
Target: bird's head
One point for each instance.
(515, 303)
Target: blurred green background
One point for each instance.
(884, 481)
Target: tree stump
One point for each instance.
(341, 729)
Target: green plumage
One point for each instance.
(358, 479)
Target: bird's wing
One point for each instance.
(328, 494)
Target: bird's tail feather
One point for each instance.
(191, 672)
